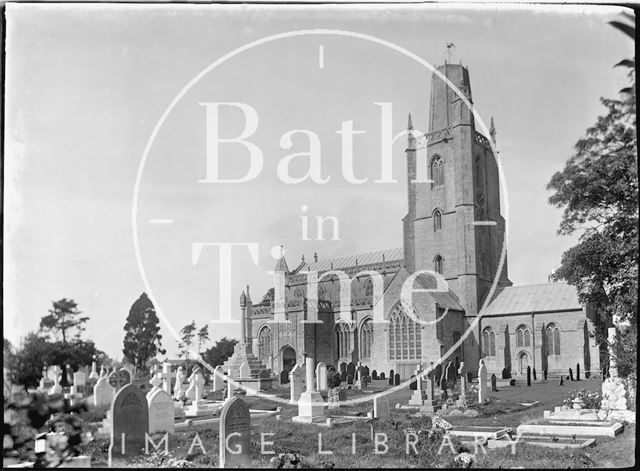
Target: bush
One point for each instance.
(333, 379)
(590, 400)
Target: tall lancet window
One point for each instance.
(438, 264)
(366, 339)
(343, 340)
(437, 220)
(437, 171)
(405, 335)
(264, 343)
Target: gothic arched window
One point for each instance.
(523, 336)
(299, 293)
(553, 340)
(343, 340)
(437, 220)
(437, 171)
(405, 335)
(264, 343)
(438, 264)
(488, 342)
(366, 339)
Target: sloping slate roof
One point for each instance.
(534, 298)
(447, 300)
(341, 263)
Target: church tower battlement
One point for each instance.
(453, 225)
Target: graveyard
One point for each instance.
(306, 419)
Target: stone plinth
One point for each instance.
(310, 408)
(242, 354)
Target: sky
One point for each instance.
(87, 86)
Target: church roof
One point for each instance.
(546, 297)
(389, 255)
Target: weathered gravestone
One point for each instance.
(570, 374)
(494, 383)
(129, 422)
(528, 376)
(349, 379)
(217, 379)
(374, 375)
(391, 378)
(382, 376)
(535, 376)
(381, 408)
(167, 378)
(482, 383)
(343, 376)
(103, 392)
(235, 437)
(505, 373)
(161, 412)
(343, 367)
(413, 385)
(544, 374)
(284, 377)
(296, 377)
(321, 377)
(178, 388)
(196, 387)
(578, 372)
(396, 379)
(351, 369)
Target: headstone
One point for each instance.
(413, 385)
(438, 374)
(365, 371)
(296, 376)
(343, 376)
(94, 372)
(155, 381)
(103, 392)
(450, 371)
(505, 373)
(196, 386)
(578, 372)
(391, 377)
(343, 367)
(349, 379)
(382, 376)
(335, 396)
(284, 377)
(570, 374)
(494, 383)
(544, 374)
(167, 378)
(535, 377)
(381, 407)
(235, 438)
(374, 375)
(217, 379)
(528, 376)
(245, 370)
(462, 399)
(482, 383)
(55, 373)
(561, 380)
(129, 422)
(321, 377)
(351, 369)
(397, 379)
(443, 382)
(161, 412)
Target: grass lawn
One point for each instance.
(288, 437)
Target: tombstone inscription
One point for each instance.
(235, 423)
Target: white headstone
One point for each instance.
(178, 389)
(161, 412)
(483, 393)
(235, 435)
(218, 378)
(321, 377)
(296, 377)
(94, 373)
(196, 387)
(79, 379)
(167, 377)
(381, 407)
(103, 392)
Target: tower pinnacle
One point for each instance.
(492, 131)
(410, 123)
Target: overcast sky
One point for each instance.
(86, 85)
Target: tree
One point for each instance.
(185, 342)
(598, 189)
(62, 318)
(220, 352)
(142, 340)
(203, 338)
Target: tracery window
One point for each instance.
(405, 335)
(523, 336)
(553, 340)
(488, 342)
(343, 339)
(264, 342)
(366, 339)
(368, 287)
(437, 171)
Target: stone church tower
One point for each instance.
(454, 225)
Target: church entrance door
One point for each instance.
(288, 359)
(523, 362)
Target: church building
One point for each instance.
(453, 227)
